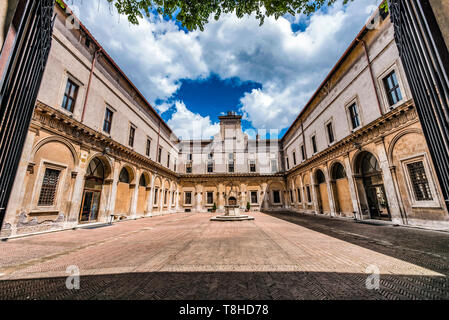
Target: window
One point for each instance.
(254, 198)
(314, 148)
(330, 132)
(175, 165)
(70, 94)
(420, 184)
(294, 158)
(210, 156)
(188, 198)
(159, 155)
(155, 195)
(168, 161)
(132, 134)
(392, 87)
(188, 168)
(276, 196)
(210, 167)
(210, 198)
(252, 166)
(47, 196)
(165, 197)
(287, 163)
(291, 196)
(189, 157)
(299, 195)
(148, 150)
(303, 153)
(309, 195)
(274, 166)
(231, 166)
(354, 116)
(107, 125)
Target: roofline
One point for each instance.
(111, 60)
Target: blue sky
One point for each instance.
(266, 73)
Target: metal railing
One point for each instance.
(19, 88)
(426, 62)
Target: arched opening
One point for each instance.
(340, 189)
(144, 193)
(371, 182)
(124, 192)
(321, 190)
(232, 201)
(93, 186)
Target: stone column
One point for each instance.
(221, 201)
(393, 202)
(177, 200)
(134, 195)
(161, 199)
(199, 198)
(150, 200)
(314, 195)
(77, 197)
(243, 199)
(265, 196)
(330, 192)
(170, 201)
(352, 187)
(113, 194)
(19, 186)
(303, 194)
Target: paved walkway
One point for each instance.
(186, 256)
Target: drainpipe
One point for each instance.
(94, 61)
(372, 74)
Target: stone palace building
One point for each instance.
(97, 151)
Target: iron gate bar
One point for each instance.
(19, 89)
(426, 61)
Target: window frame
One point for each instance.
(148, 147)
(132, 129)
(251, 192)
(330, 140)
(354, 101)
(435, 203)
(313, 142)
(399, 76)
(75, 83)
(106, 118)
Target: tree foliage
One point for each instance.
(194, 14)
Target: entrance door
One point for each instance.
(91, 204)
(378, 205)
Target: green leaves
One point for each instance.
(194, 14)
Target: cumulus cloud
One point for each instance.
(189, 125)
(289, 65)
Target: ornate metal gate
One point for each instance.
(19, 87)
(426, 61)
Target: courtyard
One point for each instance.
(187, 256)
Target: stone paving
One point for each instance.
(186, 256)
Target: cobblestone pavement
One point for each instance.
(186, 256)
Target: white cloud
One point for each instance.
(290, 65)
(189, 125)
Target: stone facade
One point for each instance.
(354, 151)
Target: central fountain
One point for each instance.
(232, 210)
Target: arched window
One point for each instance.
(95, 170)
(338, 172)
(370, 165)
(142, 181)
(320, 177)
(124, 176)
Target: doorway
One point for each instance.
(93, 186)
(374, 187)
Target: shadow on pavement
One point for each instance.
(427, 249)
(229, 286)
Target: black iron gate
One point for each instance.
(426, 62)
(19, 87)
